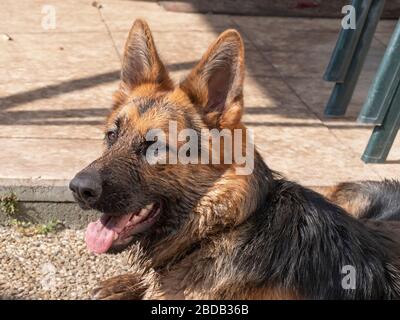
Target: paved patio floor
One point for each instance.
(56, 87)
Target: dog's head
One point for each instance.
(145, 199)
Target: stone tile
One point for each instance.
(41, 131)
(283, 37)
(386, 26)
(357, 138)
(57, 96)
(295, 41)
(384, 38)
(313, 91)
(272, 98)
(55, 110)
(120, 15)
(275, 24)
(316, 92)
(313, 64)
(310, 155)
(384, 31)
(389, 169)
(26, 16)
(57, 57)
(45, 158)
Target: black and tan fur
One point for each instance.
(221, 235)
(378, 200)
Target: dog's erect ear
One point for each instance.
(216, 83)
(141, 63)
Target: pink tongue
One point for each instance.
(101, 234)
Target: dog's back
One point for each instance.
(379, 200)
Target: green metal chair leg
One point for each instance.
(342, 92)
(383, 136)
(346, 44)
(386, 81)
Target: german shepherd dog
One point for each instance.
(202, 231)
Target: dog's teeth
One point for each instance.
(136, 220)
(150, 206)
(144, 212)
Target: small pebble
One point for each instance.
(6, 37)
(56, 266)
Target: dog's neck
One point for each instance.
(230, 201)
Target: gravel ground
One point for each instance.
(52, 266)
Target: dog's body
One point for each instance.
(203, 231)
(294, 246)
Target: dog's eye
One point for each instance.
(111, 136)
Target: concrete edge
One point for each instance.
(42, 190)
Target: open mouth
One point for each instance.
(110, 232)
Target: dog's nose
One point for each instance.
(86, 186)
